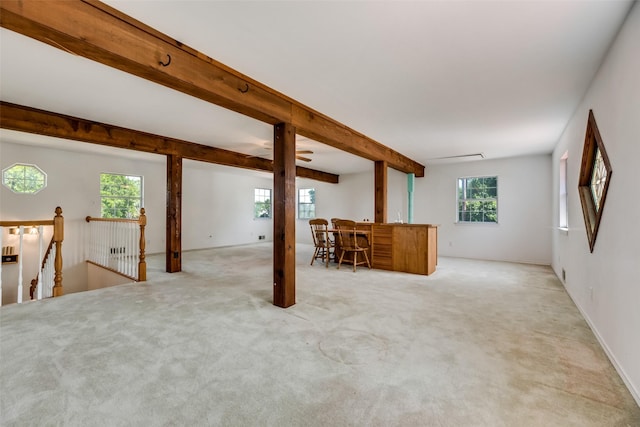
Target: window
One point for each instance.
(478, 199)
(306, 203)
(121, 195)
(563, 219)
(24, 178)
(595, 176)
(262, 203)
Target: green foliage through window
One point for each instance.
(24, 178)
(121, 195)
(478, 199)
(262, 203)
(306, 203)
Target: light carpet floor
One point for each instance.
(475, 344)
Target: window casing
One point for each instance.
(23, 178)
(120, 195)
(477, 200)
(262, 203)
(594, 179)
(563, 213)
(306, 203)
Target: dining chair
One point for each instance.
(323, 245)
(352, 241)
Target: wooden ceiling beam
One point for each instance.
(31, 120)
(101, 33)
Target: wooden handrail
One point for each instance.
(142, 222)
(57, 238)
(91, 218)
(34, 282)
(26, 223)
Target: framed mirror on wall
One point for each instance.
(594, 180)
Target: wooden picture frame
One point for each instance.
(594, 180)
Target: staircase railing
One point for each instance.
(118, 245)
(54, 268)
(45, 275)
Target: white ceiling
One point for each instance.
(429, 79)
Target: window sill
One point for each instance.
(564, 230)
(489, 224)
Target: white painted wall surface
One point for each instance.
(524, 206)
(605, 284)
(217, 206)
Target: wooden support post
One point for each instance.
(174, 214)
(58, 237)
(381, 192)
(142, 264)
(284, 199)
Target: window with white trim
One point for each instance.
(306, 203)
(262, 203)
(24, 178)
(120, 195)
(477, 200)
(563, 214)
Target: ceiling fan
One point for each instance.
(300, 154)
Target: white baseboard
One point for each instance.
(635, 393)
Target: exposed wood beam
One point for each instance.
(101, 33)
(380, 192)
(32, 120)
(284, 215)
(173, 223)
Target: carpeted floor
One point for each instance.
(475, 344)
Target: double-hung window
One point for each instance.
(478, 200)
(121, 195)
(306, 203)
(262, 203)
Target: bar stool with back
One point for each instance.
(321, 241)
(348, 240)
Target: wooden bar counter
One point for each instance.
(410, 248)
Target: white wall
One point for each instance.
(605, 284)
(524, 206)
(217, 206)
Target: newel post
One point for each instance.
(142, 264)
(58, 237)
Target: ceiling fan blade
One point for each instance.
(304, 159)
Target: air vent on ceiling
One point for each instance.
(459, 157)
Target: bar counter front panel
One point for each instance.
(410, 248)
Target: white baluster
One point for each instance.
(129, 249)
(121, 240)
(40, 256)
(133, 252)
(20, 266)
